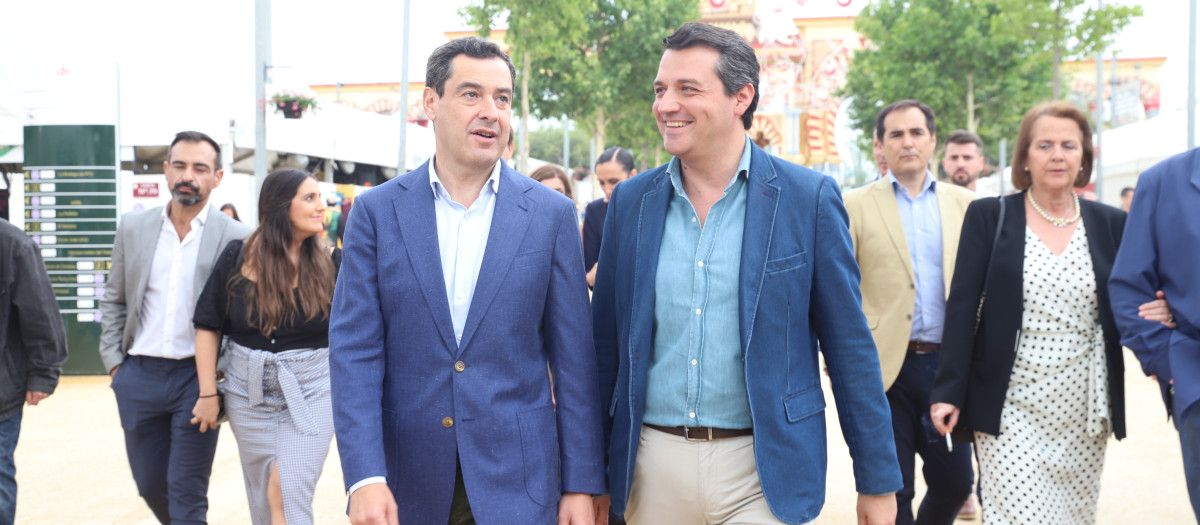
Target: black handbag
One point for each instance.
(222, 416)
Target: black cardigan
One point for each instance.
(974, 370)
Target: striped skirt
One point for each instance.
(280, 412)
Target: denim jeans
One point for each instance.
(948, 475)
(9, 430)
(1189, 441)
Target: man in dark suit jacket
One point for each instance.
(1159, 253)
(719, 275)
(161, 259)
(460, 282)
(33, 347)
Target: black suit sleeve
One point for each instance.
(970, 272)
(593, 232)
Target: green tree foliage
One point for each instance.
(980, 64)
(957, 56)
(591, 60)
(545, 143)
(1066, 29)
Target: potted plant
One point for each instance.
(292, 104)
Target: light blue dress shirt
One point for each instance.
(696, 374)
(922, 221)
(462, 239)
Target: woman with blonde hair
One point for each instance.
(271, 297)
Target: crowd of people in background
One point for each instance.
(454, 350)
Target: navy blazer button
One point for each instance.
(460, 366)
(447, 422)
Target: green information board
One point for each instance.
(71, 212)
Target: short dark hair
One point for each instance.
(1126, 191)
(437, 70)
(196, 136)
(619, 155)
(930, 119)
(1021, 178)
(737, 66)
(962, 136)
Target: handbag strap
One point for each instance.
(988, 269)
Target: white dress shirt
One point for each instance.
(462, 239)
(165, 329)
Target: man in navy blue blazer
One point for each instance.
(720, 273)
(1159, 250)
(461, 284)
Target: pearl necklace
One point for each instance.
(1061, 222)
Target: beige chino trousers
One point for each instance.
(696, 482)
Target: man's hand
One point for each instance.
(373, 505)
(944, 416)
(877, 510)
(33, 397)
(113, 373)
(575, 509)
(600, 507)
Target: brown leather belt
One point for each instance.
(923, 347)
(703, 433)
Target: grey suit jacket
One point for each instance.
(132, 255)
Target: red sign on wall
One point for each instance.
(145, 189)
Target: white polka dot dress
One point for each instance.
(1044, 467)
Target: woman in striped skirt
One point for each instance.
(271, 297)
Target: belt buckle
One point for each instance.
(687, 434)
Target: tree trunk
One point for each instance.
(1057, 75)
(971, 124)
(1059, 41)
(601, 123)
(645, 156)
(523, 159)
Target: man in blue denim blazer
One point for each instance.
(719, 275)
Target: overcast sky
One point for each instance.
(197, 58)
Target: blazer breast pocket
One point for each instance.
(784, 264)
(804, 404)
(530, 259)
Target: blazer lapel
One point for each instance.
(889, 219)
(146, 239)
(762, 200)
(1102, 246)
(1195, 178)
(417, 231)
(510, 219)
(948, 208)
(210, 244)
(651, 221)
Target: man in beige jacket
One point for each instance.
(905, 228)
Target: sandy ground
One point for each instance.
(71, 466)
